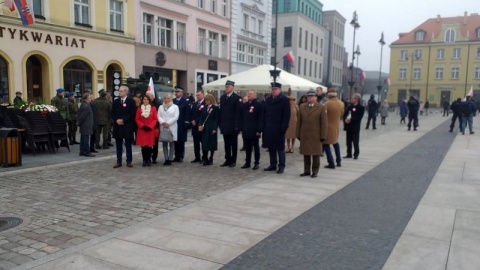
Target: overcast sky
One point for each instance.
(391, 17)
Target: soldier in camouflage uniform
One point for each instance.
(61, 103)
(109, 125)
(103, 111)
(72, 118)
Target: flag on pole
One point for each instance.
(387, 81)
(10, 4)
(25, 10)
(290, 58)
(470, 93)
(151, 88)
(362, 76)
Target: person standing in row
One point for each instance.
(109, 125)
(384, 108)
(155, 104)
(403, 111)
(311, 129)
(413, 107)
(72, 118)
(457, 114)
(208, 125)
(94, 134)
(168, 114)
(292, 125)
(123, 115)
(195, 114)
(85, 122)
(251, 127)
(103, 109)
(230, 104)
(335, 110)
(353, 120)
(146, 119)
(60, 103)
(372, 107)
(275, 123)
(182, 123)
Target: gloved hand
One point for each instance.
(146, 128)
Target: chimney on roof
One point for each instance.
(465, 15)
(438, 18)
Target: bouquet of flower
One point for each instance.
(39, 108)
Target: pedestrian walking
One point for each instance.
(468, 109)
(426, 107)
(230, 104)
(208, 126)
(372, 107)
(457, 114)
(384, 108)
(292, 125)
(72, 118)
(335, 110)
(413, 107)
(183, 123)
(103, 109)
(275, 123)
(403, 111)
(146, 119)
(311, 129)
(352, 122)
(251, 127)
(168, 115)
(446, 107)
(85, 123)
(195, 114)
(123, 115)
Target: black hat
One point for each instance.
(178, 89)
(230, 83)
(276, 85)
(311, 92)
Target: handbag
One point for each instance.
(166, 135)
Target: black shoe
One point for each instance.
(98, 147)
(225, 164)
(93, 151)
(105, 147)
(270, 169)
(451, 130)
(408, 129)
(471, 133)
(314, 175)
(71, 143)
(179, 160)
(347, 156)
(88, 155)
(75, 142)
(414, 129)
(196, 160)
(109, 144)
(374, 128)
(144, 164)
(82, 154)
(167, 163)
(154, 162)
(355, 157)
(366, 128)
(149, 163)
(304, 174)
(255, 167)
(330, 167)
(232, 165)
(246, 166)
(280, 170)
(339, 164)
(243, 149)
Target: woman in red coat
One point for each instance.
(146, 119)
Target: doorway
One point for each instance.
(34, 79)
(445, 96)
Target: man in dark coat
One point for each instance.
(413, 107)
(195, 114)
(183, 123)
(275, 124)
(85, 122)
(455, 107)
(446, 107)
(230, 104)
(123, 115)
(352, 122)
(372, 106)
(251, 126)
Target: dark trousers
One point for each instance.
(311, 164)
(445, 111)
(383, 120)
(412, 117)
(84, 144)
(280, 153)
(93, 137)
(372, 117)
(128, 149)
(101, 131)
(179, 150)
(72, 130)
(231, 147)
(402, 120)
(146, 153)
(197, 140)
(454, 118)
(155, 150)
(353, 138)
(328, 153)
(249, 145)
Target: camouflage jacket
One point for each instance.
(62, 106)
(72, 110)
(103, 110)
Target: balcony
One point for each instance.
(252, 35)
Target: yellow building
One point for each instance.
(439, 60)
(79, 45)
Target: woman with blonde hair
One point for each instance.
(292, 125)
(208, 127)
(168, 114)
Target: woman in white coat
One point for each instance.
(168, 114)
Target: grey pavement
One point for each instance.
(85, 215)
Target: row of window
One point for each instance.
(250, 54)
(213, 6)
(308, 70)
(306, 44)
(439, 73)
(450, 35)
(252, 24)
(418, 54)
(288, 40)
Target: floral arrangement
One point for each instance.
(32, 107)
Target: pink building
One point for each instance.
(183, 42)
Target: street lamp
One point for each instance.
(354, 23)
(275, 73)
(357, 53)
(379, 86)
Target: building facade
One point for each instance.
(185, 43)
(300, 30)
(251, 35)
(438, 60)
(334, 23)
(79, 45)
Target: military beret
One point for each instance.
(70, 94)
(60, 90)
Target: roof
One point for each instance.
(434, 28)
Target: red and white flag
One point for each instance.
(150, 87)
(10, 4)
(387, 81)
(470, 93)
(290, 58)
(25, 10)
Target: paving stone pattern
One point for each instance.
(357, 227)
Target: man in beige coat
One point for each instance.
(335, 109)
(312, 128)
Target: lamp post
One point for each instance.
(275, 73)
(379, 86)
(357, 53)
(354, 23)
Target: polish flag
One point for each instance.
(290, 58)
(10, 4)
(150, 87)
(25, 10)
(470, 93)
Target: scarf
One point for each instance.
(145, 110)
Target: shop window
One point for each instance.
(82, 12)
(4, 97)
(77, 77)
(116, 15)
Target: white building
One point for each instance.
(250, 34)
(334, 24)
